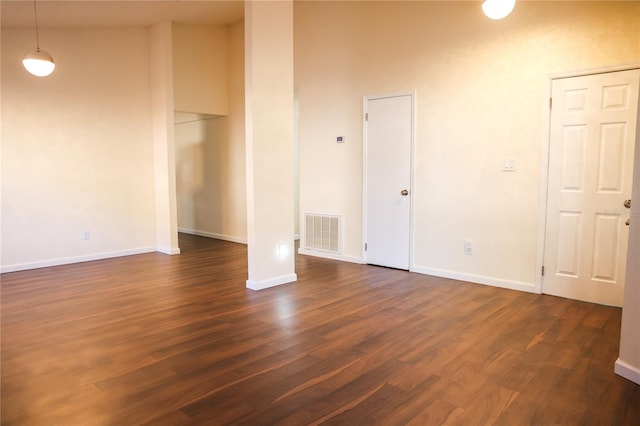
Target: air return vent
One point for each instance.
(322, 232)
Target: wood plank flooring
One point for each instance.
(169, 340)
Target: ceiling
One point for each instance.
(119, 13)
(129, 13)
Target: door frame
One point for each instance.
(365, 100)
(546, 145)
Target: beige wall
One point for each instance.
(77, 149)
(210, 159)
(481, 89)
(200, 68)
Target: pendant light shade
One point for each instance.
(39, 63)
(498, 9)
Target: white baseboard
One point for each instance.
(260, 285)
(476, 279)
(168, 250)
(75, 259)
(627, 371)
(213, 235)
(330, 256)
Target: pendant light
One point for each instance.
(38, 63)
(498, 9)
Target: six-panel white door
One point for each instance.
(592, 136)
(389, 132)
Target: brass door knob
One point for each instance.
(404, 192)
(627, 203)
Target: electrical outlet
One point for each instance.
(86, 234)
(468, 247)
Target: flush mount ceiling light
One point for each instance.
(498, 9)
(38, 63)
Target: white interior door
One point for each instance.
(388, 141)
(593, 125)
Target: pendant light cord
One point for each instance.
(35, 13)
(38, 63)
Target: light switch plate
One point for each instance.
(509, 165)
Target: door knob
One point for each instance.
(404, 192)
(627, 222)
(627, 203)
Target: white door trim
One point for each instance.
(365, 100)
(544, 169)
(592, 71)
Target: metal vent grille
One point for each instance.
(322, 232)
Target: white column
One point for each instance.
(161, 63)
(269, 142)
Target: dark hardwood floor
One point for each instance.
(156, 339)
